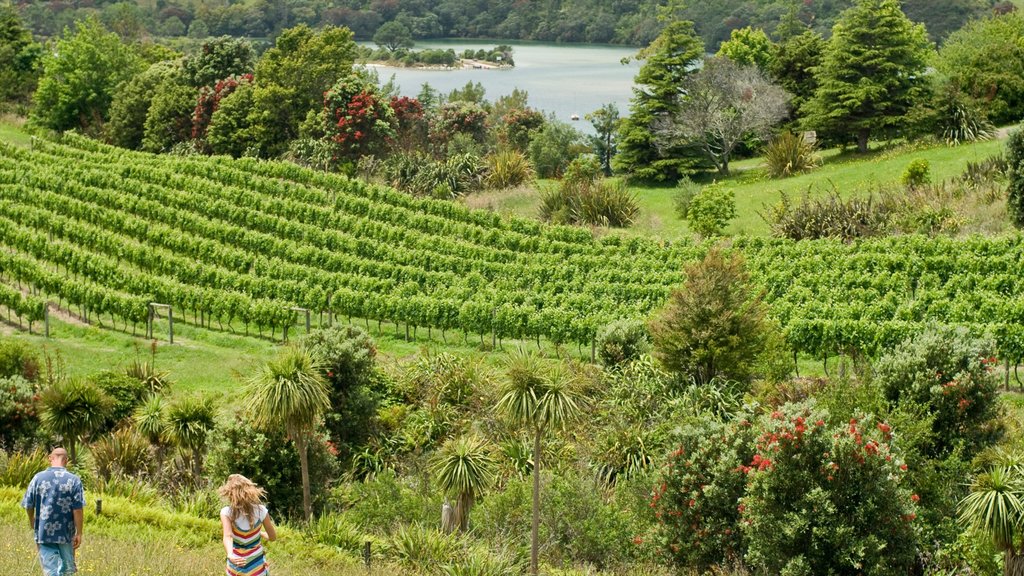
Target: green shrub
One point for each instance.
(918, 173)
(553, 147)
(483, 562)
(602, 203)
(1015, 174)
(379, 505)
(18, 468)
(711, 210)
(18, 358)
(126, 391)
(830, 217)
(123, 452)
(789, 154)
(19, 418)
(424, 549)
(622, 341)
(714, 325)
(508, 169)
(951, 375)
(959, 121)
(695, 501)
(269, 460)
(585, 168)
(336, 530)
(826, 499)
(199, 503)
(456, 176)
(683, 194)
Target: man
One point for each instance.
(54, 502)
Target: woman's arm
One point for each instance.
(268, 525)
(229, 548)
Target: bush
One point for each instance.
(18, 358)
(553, 147)
(684, 193)
(19, 419)
(622, 341)
(584, 169)
(508, 169)
(949, 374)
(456, 176)
(126, 391)
(18, 468)
(826, 500)
(123, 452)
(711, 210)
(381, 504)
(789, 154)
(714, 325)
(918, 173)
(338, 531)
(270, 460)
(602, 203)
(1015, 190)
(960, 121)
(347, 355)
(830, 217)
(695, 500)
(423, 549)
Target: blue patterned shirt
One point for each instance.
(54, 493)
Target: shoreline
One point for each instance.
(463, 64)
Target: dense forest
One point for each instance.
(632, 22)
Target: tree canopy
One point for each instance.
(872, 72)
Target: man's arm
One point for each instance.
(31, 517)
(79, 521)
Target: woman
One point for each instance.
(243, 519)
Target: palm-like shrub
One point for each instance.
(830, 217)
(18, 468)
(464, 468)
(960, 122)
(537, 399)
(995, 507)
(288, 392)
(151, 422)
(190, 421)
(73, 409)
(424, 549)
(789, 154)
(124, 452)
(508, 169)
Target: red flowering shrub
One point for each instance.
(517, 127)
(411, 123)
(822, 499)
(696, 501)
(458, 118)
(19, 418)
(951, 375)
(209, 100)
(358, 120)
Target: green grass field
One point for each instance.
(848, 174)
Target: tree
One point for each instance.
(190, 421)
(464, 467)
(393, 35)
(714, 325)
(347, 357)
(73, 409)
(19, 57)
(305, 63)
(537, 401)
(984, 61)
(1015, 174)
(358, 119)
(132, 101)
(872, 72)
(749, 47)
(169, 119)
(79, 78)
(710, 211)
(229, 131)
(219, 58)
(667, 61)
(553, 147)
(725, 103)
(796, 56)
(288, 392)
(995, 507)
(604, 142)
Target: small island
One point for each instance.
(499, 57)
(394, 48)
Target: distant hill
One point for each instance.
(631, 22)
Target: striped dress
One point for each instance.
(246, 543)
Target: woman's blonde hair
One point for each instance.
(243, 497)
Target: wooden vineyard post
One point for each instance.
(46, 320)
(152, 318)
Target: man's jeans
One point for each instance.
(57, 559)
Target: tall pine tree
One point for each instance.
(872, 72)
(673, 56)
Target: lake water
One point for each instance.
(560, 79)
